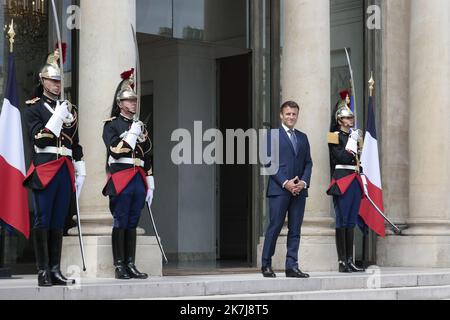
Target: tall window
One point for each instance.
(197, 20)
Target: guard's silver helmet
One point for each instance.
(126, 94)
(126, 89)
(344, 112)
(51, 70)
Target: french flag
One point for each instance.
(371, 168)
(13, 196)
(352, 107)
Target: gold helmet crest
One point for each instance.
(51, 69)
(127, 87)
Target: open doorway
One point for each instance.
(197, 58)
(192, 87)
(234, 192)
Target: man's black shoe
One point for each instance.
(296, 273)
(268, 272)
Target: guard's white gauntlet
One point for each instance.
(80, 176)
(151, 188)
(57, 120)
(133, 134)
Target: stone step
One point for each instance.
(389, 281)
(413, 293)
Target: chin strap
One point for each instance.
(128, 111)
(51, 95)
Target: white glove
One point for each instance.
(151, 188)
(80, 176)
(123, 135)
(352, 145)
(133, 134)
(62, 110)
(79, 181)
(80, 168)
(56, 121)
(136, 128)
(355, 135)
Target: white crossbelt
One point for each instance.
(344, 167)
(63, 151)
(134, 162)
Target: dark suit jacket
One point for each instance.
(290, 164)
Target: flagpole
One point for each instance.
(364, 179)
(4, 272)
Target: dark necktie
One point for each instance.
(293, 139)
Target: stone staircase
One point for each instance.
(385, 283)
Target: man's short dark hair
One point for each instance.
(289, 104)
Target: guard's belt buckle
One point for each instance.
(137, 162)
(62, 151)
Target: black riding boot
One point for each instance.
(54, 248)
(130, 254)
(40, 239)
(118, 248)
(341, 250)
(349, 239)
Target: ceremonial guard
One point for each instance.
(346, 186)
(56, 172)
(130, 180)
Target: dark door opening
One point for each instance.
(234, 181)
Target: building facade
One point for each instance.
(228, 64)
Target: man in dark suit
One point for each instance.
(287, 192)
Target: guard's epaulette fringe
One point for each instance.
(110, 119)
(32, 101)
(333, 137)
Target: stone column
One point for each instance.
(106, 50)
(427, 241)
(306, 80)
(395, 118)
(395, 109)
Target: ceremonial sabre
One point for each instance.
(352, 81)
(80, 234)
(156, 234)
(61, 63)
(138, 76)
